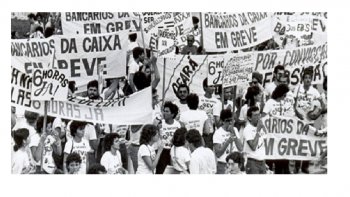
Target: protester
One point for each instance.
(278, 72)
(189, 49)
(202, 159)
(226, 140)
(252, 98)
(180, 155)
(182, 93)
(147, 158)
(73, 163)
(134, 65)
(20, 159)
(228, 104)
(93, 90)
(235, 163)
(97, 169)
(111, 159)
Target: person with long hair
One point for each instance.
(147, 158)
(20, 158)
(112, 159)
(180, 155)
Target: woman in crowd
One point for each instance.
(20, 158)
(235, 163)
(180, 155)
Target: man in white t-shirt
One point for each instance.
(202, 159)
(194, 118)
(182, 93)
(228, 104)
(226, 140)
(134, 66)
(278, 72)
(131, 46)
(254, 134)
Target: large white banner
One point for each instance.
(292, 139)
(234, 31)
(133, 109)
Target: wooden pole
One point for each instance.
(43, 132)
(163, 97)
(234, 101)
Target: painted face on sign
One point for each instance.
(93, 93)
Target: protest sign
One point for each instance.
(292, 139)
(98, 22)
(216, 65)
(183, 69)
(234, 31)
(238, 69)
(166, 43)
(80, 56)
(133, 109)
(26, 55)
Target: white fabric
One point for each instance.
(288, 105)
(48, 162)
(20, 162)
(133, 67)
(34, 142)
(220, 137)
(183, 155)
(306, 102)
(269, 89)
(273, 108)
(167, 132)
(194, 119)
(218, 107)
(131, 46)
(182, 107)
(111, 162)
(249, 134)
(202, 161)
(145, 150)
(244, 110)
(82, 148)
(207, 105)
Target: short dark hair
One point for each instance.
(40, 28)
(194, 137)
(237, 157)
(251, 92)
(251, 110)
(75, 125)
(132, 37)
(225, 114)
(278, 67)
(71, 86)
(96, 168)
(179, 138)
(172, 107)
(32, 16)
(136, 52)
(205, 83)
(148, 131)
(18, 136)
(30, 116)
(93, 83)
(192, 101)
(279, 91)
(308, 71)
(325, 83)
(40, 122)
(183, 86)
(73, 157)
(257, 76)
(48, 32)
(109, 140)
(140, 80)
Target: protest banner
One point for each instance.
(133, 109)
(295, 61)
(166, 43)
(292, 139)
(234, 31)
(98, 22)
(183, 69)
(238, 69)
(27, 55)
(216, 65)
(79, 56)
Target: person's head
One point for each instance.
(207, 89)
(170, 110)
(190, 40)
(148, 71)
(149, 134)
(235, 162)
(226, 118)
(284, 79)
(73, 163)
(253, 115)
(280, 92)
(253, 95)
(39, 17)
(179, 138)
(132, 37)
(92, 90)
(20, 137)
(40, 124)
(31, 117)
(141, 81)
(194, 139)
(183, 91)
(256, 79)
(77, 128)
(195, 21)
(112, 141)
(278, 72)
(138, 54)
(192, 101)
(14, 35)
(307, 76)
(40, 29)
(325, 83)
(97, 168)
(48, 32)
(71, 86)
(155, 96)
(32, 18)
(227, 93)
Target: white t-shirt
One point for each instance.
(48, 162)
(20, 162)
(269, 89)
(218, 107)
(182, 107)
(133, 67)
(273, 108)
(167, 132)
(111, 162)
(145, 150)
(59, 123)
(194, 119)
(306, 101)
(244, 110)
(288, 105)
(220, 137)
(183, 155)
(34, 141)
(24, 125)
(131, 46)
(89, 134)
(202, 161)
(207, 105)
(249, 134)
(82, 148)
